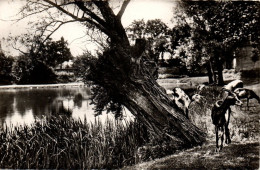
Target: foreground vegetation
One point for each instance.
(62, 142)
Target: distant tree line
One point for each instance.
(36, 65)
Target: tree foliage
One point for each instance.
(155, 32)
(47, 51)
(36, 63)
(5, 68)
(53, 53)
(218, 28)
(29, 71)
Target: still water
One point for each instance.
(23, 106)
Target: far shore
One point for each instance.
(165, 82)
(36, 86)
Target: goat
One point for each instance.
(197, 98)
(233, 85)
(221, 120)
(182, 100)
(200, 87)
(243, 93)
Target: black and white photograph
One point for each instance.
(129, 84)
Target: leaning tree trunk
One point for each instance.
(150, 104)
(126, 77)
(123, 74)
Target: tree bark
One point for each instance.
(210, 72)
(219, 66)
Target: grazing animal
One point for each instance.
(233, 85)
(197, 98)
(182, 100)
(221, 120)
(200, 87)
(243, 93)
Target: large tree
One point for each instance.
(220, 27)
(37, 62)
(45, 50)
(120, 70)
(155, 32)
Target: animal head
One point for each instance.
(177, 92)
(197, 98)
(200, 87)
(233, 99)
(219, 103)
(180, 97)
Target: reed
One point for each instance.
(61, 142)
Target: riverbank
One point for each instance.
(36, 86)
(68, 143)
(237, 155)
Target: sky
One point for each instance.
(136, 9)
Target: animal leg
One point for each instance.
(187, 113)
(247, 103)
(222, 137)
(228, 116)
(227, 134)
(216, 131)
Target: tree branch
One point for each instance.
(24, 53)
(81, 6)
(122, 10)
(105, 10)
(98, 25)
(53, 31)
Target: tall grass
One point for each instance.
(61, 142)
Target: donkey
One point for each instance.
(221, 120)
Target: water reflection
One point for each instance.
(19, 106)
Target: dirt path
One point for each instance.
(234, 156)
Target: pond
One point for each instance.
(23, 106)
